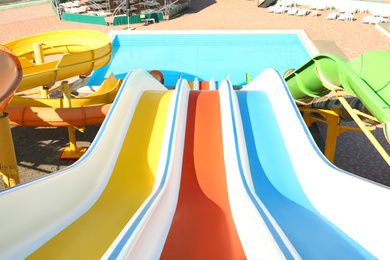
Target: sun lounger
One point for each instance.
(376, 20)
(322, 7)
(303, 12)
(343, 10)
(345, 17)
(314, 13)
(367, 19)
(281, 10)
(286, 3)
(313, 7)
(273, 8)
(385, 13)
(293, 11)
(104, 14)
(76, 10)
(332, 16)
(342, 17)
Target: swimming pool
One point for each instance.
(204, 54)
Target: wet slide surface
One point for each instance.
(277, 186)
(203, 227)
(130, 184)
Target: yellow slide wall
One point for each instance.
(130, 184)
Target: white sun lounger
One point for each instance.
(332, 16)
(293, 11)
(343, 17)
(376, 20)
(281, 10)
(343, 10)
(273, 8)
(367, 19)
(303, 12)
(322, 7)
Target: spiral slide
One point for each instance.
(75, 52)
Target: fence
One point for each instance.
(178, 10)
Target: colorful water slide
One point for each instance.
(78, 212)
(366, 77)
(68, 53)
(202, 210)
(324, 212)
(201, 174)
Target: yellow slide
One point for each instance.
(55, 56)
(78, 212)
(130, 184)
(104, 94)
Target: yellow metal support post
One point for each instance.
(363, 127)
(332, 118)
(40, 59)
(8, 163)
(72, 152)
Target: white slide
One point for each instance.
(325, 212)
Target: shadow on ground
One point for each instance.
(38, 149)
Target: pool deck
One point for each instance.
(345, 39)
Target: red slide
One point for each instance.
(203, 227)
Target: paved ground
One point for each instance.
(345, 39)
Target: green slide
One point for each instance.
(366, 76)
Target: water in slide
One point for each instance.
(202, 226)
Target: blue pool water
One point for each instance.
(203, 55)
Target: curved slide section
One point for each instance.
(325, 212)
(79, 211)
(366, 77)
(10, 75)
(80, 52)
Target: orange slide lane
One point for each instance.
(203, 227)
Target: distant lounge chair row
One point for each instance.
(320, 7)
(373, 20)
(343, 17)
(289, 11)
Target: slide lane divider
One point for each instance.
(127, 240)
(280, 238)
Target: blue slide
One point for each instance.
(324, 212)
